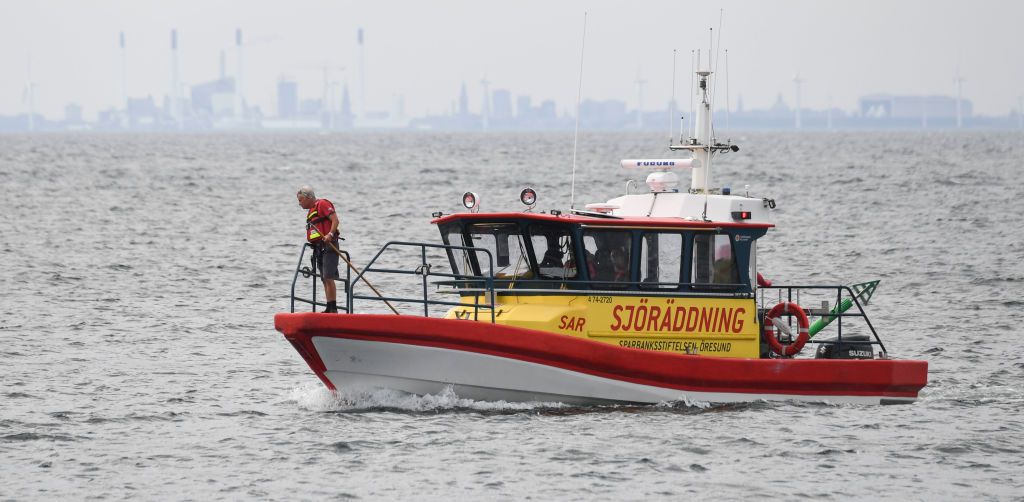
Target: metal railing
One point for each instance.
(556, 286)
(312, 272)
(488, 288)
(841, 292)
(424, 270)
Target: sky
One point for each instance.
(422, 51)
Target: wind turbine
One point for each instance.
(328, 85)
(829, 125)
(30, 97)
(959, 82)
(124, 73)
(640, 82)
(486, 110)
(1020, 112)
(239, 90)
(176, 111)
(798, 81)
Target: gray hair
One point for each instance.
(307, 192)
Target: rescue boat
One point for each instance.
(653, 296)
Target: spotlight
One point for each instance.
(528, 197)
(471, 201)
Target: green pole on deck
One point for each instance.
(862, 291)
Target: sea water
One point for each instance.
(139, 276)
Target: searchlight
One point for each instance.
(528, 197)
(471, 201)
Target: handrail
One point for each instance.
(313, 274)
(424, 271)
(837, 315)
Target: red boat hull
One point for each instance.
(341, 348)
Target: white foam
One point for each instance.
(316, 397)
(685, 402)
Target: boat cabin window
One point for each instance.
(553, 251)
(459, 257)
(607, 254)
(661, 256)
(505, 243)
(714, 263)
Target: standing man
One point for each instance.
(322, 228)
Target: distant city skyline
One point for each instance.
(417, 55)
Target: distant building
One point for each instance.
(610, 114)
(346, 118)
(889, 106)
(463, 102)
(215, 98)
(143, 112)
(287, 99)
(501, 103)
(524, 108)
(547, 110)
(311, 107)
(73, 113)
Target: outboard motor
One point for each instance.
(853, 347)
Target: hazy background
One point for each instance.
(424, 51)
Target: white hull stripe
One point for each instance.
(428, 370)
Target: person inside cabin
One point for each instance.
(724, 266)
(603, 269)
(553, 253)
(619, 265)
(322, 232)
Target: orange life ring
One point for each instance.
(788, 308)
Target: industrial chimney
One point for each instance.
(361, 109)
(124, 75)
(239, 98)
(175, 98)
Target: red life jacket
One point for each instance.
(318, 220)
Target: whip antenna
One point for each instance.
(727, 102)
(689, 123)
(672, 104)
(718, 47)
(576, 135)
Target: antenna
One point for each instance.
(694, 60)
(714, 88)
(728, 104)
(708, 110)
(576, 135)
(672, 104)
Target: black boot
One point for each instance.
(332, 308)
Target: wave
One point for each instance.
(316, 397)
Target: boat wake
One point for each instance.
(315, 397)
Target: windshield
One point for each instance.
(714, 263)
(506, 245)
(553, 251)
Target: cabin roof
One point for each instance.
(576, 219)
